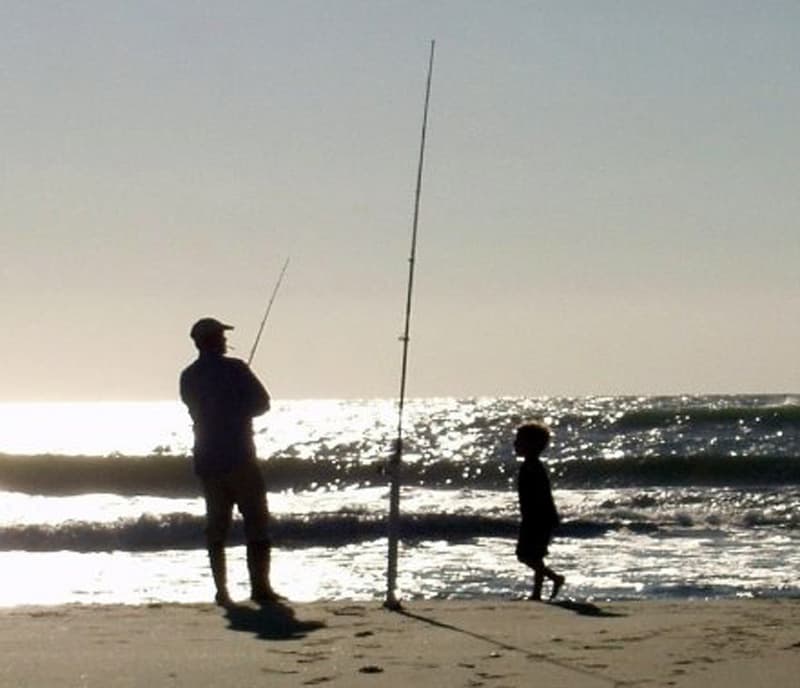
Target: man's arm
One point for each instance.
(255, 396)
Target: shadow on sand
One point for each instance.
(269, 622)
(584, 608)
(464, 631)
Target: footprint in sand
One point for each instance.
(351, 610)
(371, 669)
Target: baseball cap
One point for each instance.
(206, 327)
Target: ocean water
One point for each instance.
(690, 496)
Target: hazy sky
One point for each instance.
(610, 199)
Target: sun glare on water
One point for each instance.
(92, 428)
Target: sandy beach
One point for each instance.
(493, 643)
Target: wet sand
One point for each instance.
(492, 643)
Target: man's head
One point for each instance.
(531, 439)
(209, 335)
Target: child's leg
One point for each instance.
(558, 580)
(538, 579)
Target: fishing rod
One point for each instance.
(395, 461)
(266, 313)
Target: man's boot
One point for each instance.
(258, 564)
(216, 557)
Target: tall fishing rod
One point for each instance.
(395, 461)
(266, 313)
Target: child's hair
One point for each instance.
(534, 436)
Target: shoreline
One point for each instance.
(487, 642)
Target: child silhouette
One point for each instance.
(538, 511)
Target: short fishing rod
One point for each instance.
(395, 461)
(269, 308)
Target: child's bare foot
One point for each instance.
(558, 581)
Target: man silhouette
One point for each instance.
(223, 396)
